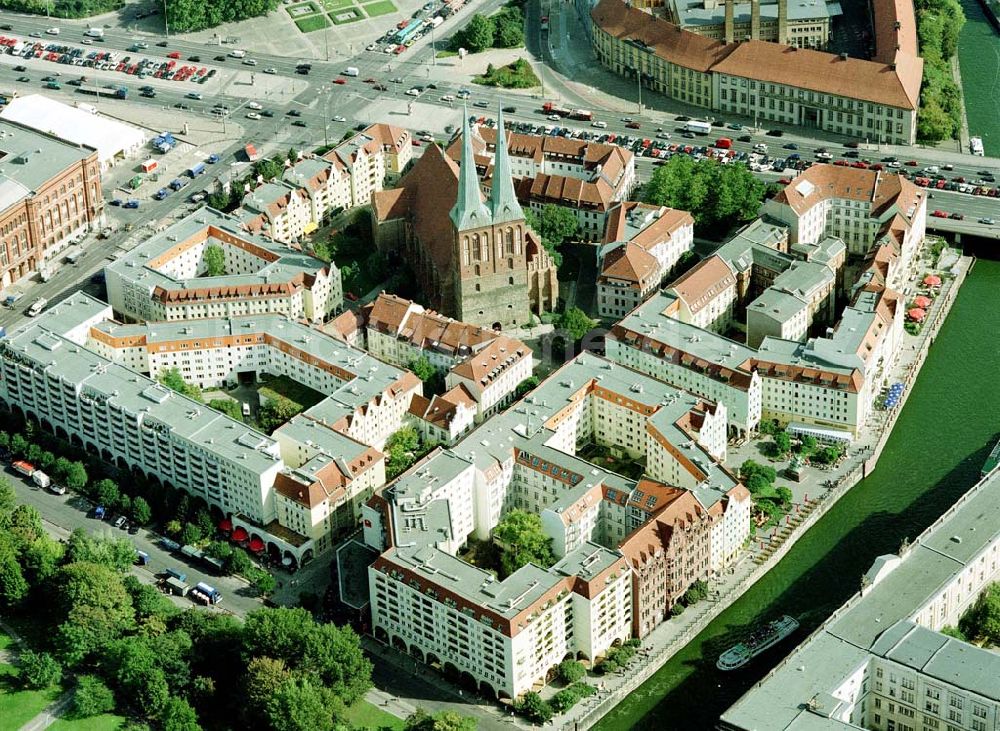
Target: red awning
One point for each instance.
(256, 545)
(240, 534)
(917, 314)
(922, 301)
(226, 526)
(932, 280)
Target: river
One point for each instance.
(979, 57)
(934, 455)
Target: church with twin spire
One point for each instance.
(475, 257)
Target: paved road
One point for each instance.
(65, 513)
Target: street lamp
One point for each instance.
(166, 23)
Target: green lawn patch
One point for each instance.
(517, 75)
(381, 7)
(337, 4)
(446, 54)
(364, 715)
(104, 722)
(17, 706)
(299, 394)
(316, 22)
(6, 641)
(346, 15)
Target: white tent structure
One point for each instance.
(112, 139)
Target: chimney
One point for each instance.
(783, 21)
(755, 20)
(729, 32)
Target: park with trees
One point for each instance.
(720, 197)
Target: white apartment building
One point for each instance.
(444, 418)
(325, 184)
(51, 376)
(371, 158)
(165, 277)
(628, 276)
(857, 206)
(295, 489)
(665, 233)
(706, 295)
(493, 374)
(504, 636)
(880, 662)
(400, 331)
(280, 211)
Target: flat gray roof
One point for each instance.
(29, 159)
(694, 13)
(880, 622)
(134, 266)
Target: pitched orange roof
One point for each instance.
(477, 368)
(701, 284)
(661, 228)
(630, 263)
(828, 73)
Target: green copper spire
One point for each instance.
(503, 201)
(469, 210)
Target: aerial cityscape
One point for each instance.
(466, 364)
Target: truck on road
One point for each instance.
(205, 593)
(177, 184)
(41, 479)
(179, 575)
(698, 127)
(582, 114)
(23, 467)
(553, 108)
(73, 254)
(195, 170)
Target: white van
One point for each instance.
(238, 53)
(351, 71)
(599, 125)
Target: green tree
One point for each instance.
(525, 386)
(92, 595)
(108, 550)
(478, 34)
(263, 581)
(301, 704)
(173, 527)
(239, 562)
(521, 540)
(401, 449)
(534, 708)
(422, 368)
(571, 671)
(215, 261)
(13, 586)
(750, 468)
(421, 720)
(141, 512)
(785, 496)
(576, 322)
(227, 406)
(38, 669)
(178, 715)
(719, 196)
(275, 412)
(264, 675)
(982, 620)
(76, 476)
(509, 28)
(172, 379)
(25, 524)
(808, 444)
(334, 655)
(8, 500)
(190, 534)
(40, 559)
(695, 593)
(185, 16)
(555, 224)
(18, 445)
(91, 697)
(782, 443)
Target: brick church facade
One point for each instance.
(475, 257)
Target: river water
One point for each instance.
(934, 455)
(979, 57)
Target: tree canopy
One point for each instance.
(172, 379)
(939, 23)
(576, 323)
(718, 196)
(185, 16)
(215, 261)
(421, 720)
(521, 540)
(555, 225)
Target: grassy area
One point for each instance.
(337, 4)
(446, 54)
(354, 15)
(381, 7)
(518, 75)
(17, 706)
(364, 715)
(316, 22)
(104, 722)
(300, 394)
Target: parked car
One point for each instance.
(939, 214)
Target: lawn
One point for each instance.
(17, 706)
(337, 4)
(346, 15)
(381, 7)
(316, 22)
(364, 715)
(517, 75)
(104, 722)
(294, 391)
